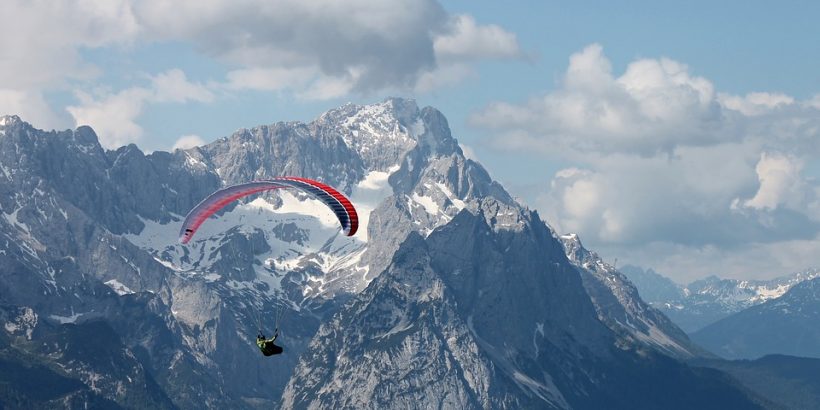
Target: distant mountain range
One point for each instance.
(788, 325)
(706, 301)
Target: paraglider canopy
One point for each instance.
(338, 203)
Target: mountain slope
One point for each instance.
(101, 253)
(87, 360)
(64, 259)
(618, 305)
(487, 312)
(76, 217)
(790, 382)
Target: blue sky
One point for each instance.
(682, 137)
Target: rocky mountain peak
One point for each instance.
(384, 132)
(575, 249)
(26, 135)
(9, 120)
(85, 135)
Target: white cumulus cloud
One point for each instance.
(755, 103)
(32, 107)
(268, 79)
(114, 115)
(654, 106)
(321, 49)
(188, 141)
(40, 40)
(662, 160)
(468, 40)
(40, 44)
(780, 182)
(351, 46)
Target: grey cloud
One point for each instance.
(465, 40)
(655, 106)
(375, 44)
(319, 49)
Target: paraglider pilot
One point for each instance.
(266, 345)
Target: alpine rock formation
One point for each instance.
(87, 233)
(451, 294)
(487, 312)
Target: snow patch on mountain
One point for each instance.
(381, 134)
(299, 232)
(454, 200)
(6, 171)
(66, 319)
(428, 203)
(12, 219)
(194, 163)
(766, 293)
(379, 123)
(118, 287)
(437, 201)
(309, 214)
(28, 243)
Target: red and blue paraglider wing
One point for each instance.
(338, 203)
